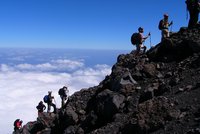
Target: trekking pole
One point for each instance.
(67, 93)
(171, 28)
(150, 41)
(55, 101)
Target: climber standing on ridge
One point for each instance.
(138, 40)
(193, 6)
(141, 39)
(63, 92)
(164, 26)
(50, 103)
(40, 107)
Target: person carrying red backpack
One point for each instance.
(18, 126)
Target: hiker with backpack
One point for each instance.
(40, 107)
(193, 6)
(138, 40)
(164, 26)
(49, 100)
(18, 126)
(63, 92)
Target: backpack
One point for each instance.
(135, 38)
(15, 122)
(61, 91)
(46, 99)
(160, 25)
(38, 107)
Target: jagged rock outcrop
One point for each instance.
(157, 92)
(178, 47)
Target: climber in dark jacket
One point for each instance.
(40, 107)
(63, 92)
(50, 103)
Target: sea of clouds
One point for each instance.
(27, 75)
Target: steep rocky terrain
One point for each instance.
(154, 93)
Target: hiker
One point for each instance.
(50, 103)
(142, 38)
(40, 107)
(63, 92)
(164, 26)
(18, 126)
(193, 6)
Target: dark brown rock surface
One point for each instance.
(154, 93)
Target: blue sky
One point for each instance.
(94, 24)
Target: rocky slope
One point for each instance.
(155, 93)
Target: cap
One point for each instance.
(166, 15)
(140, 29)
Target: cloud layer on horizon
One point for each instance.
(24, 85)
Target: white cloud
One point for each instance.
(68, 63)
(54, 65)
(5, 68)
(23, 86)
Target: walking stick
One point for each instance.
(171, 28)
(150, 41)
(55, 101)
